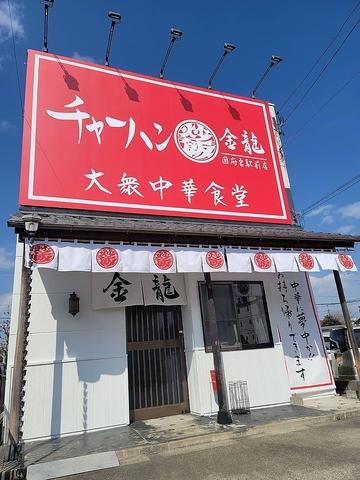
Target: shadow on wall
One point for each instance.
(74, 341)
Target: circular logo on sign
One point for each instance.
(214, 259)
(346, 261)
(163, 259)
(262, 260)
(107, 257)
(196, 141)
(42, 253)
(306, 261)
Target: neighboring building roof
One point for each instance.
(121, 227)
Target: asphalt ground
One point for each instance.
(325, 452)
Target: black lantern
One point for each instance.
(73, 304)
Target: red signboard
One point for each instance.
(97, 138)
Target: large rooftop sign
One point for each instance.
(96, 138)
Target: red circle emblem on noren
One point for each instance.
(306, 261)
(346, 261)
(163, 259)
(107, 257)
(214, 259)
(263, 260)
(42, 253)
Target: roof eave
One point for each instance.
(167, 230)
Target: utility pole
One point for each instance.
(349, 326)
(223, 416)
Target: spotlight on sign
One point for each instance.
(228, 48)
(175, 34)
(115, 18)
(274, 60)
(47, 4)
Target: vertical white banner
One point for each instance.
(303, 345)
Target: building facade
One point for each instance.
(155, 272)
(110, 364)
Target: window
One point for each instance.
(241, 315)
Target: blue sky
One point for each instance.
(320, 156)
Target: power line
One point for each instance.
(291, 138)
(350, 183)
(338, 303)
(19, 85)
(319, 58)
(322, 71)
(16, 61)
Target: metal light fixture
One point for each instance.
(228, 48)
(31, 223)
(115, 18)
(274, 60)
(74, 306)
(175, 34)
(47, 4)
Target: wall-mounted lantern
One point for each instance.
(73, 304)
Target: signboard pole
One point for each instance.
(223, 416)
(348, 324)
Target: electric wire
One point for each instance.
(337, 303)
(292, 137)
(323, 53)
(342, 188)
(16, 61)
(322, 71)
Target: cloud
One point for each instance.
(328, 219)
(6, 261)
(319, 210)
(323, 286)
(5, 301)
(5, 125)
(11, 23)
(85, 58)
(351, 211)
(324, 289)
(347, 229)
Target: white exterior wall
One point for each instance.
(264, 369)
(77, 366)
